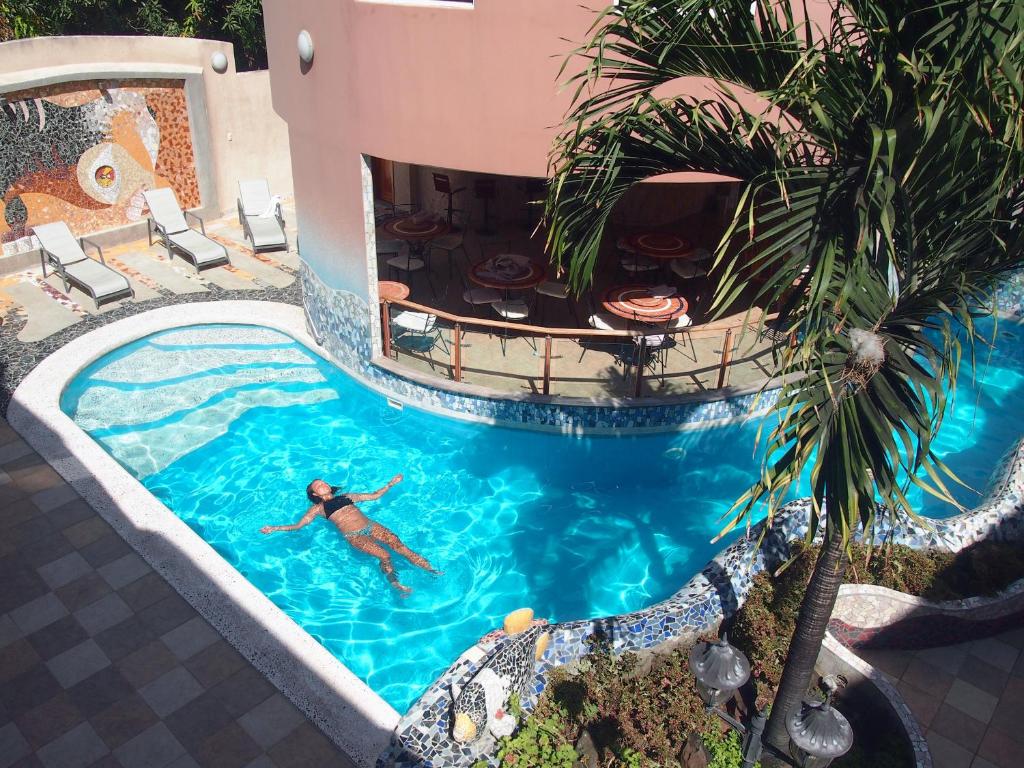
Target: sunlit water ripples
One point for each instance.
(238, 420)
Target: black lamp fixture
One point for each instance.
(818, 733)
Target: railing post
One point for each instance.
(723, 371)
(457, 351)
(547, 365)
(638, 382)
(385, 326)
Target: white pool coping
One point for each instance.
(348, 711)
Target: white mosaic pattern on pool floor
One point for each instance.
(422, 737)
(239, 334)
(148, 365)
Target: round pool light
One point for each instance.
(305, 45)
(219, 62)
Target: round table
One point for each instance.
(531, 275)
(416, 228)
(634, 302)
(661, 245)
(391, 290)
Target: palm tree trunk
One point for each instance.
(815, 612)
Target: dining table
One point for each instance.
(645, 303)
(507, 272)
(417, 230)
(661, 245)
(392, 290)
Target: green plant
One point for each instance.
(540, 742)
(725, 750)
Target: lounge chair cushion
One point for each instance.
(515, 309)
(58, 241)
(265, 232)
(164, 208)
(254, 195)
(103, 280)
(476, 296)
(418, 322)
(202, 249)
(606, 321)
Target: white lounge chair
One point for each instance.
(65, 254)
(260, 216)
(168, 220)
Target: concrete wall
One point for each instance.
(235, 132)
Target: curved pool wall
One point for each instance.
(423, 734)
(350, 713)
(340, 322)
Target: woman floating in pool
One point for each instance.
(361, 532)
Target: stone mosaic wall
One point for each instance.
(339, 320)
(422, 736)
(83, 152)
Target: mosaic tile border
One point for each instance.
(422, 736)
(340, 321)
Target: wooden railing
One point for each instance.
(726, 330)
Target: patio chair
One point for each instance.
(682, 323)
(453, 241)
(514, 311)
(656, 347)
(260, 216)
(168, 221)
(417, 333)
(555, 290)
(66, 255)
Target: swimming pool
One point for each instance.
(227, 424)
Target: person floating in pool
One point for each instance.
(358, 530)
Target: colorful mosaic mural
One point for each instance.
(83, 152)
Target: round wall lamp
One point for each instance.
(305, 45)
(219, 62)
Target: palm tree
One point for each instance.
(880, 160)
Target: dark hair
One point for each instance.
(312, 496)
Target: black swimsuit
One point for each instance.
(332, 505)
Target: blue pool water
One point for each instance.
(227, 424)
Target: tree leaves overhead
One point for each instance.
(236, 21)
(880, 155)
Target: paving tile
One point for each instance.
(101, 690)
(17, 658)
(9, 491)
(57, 637)
(243, 691)
(107, 761)
(231, 747)
(28, 532)
(983, 675)
(170, 691)
(948, 658)
(155, 747)
(13, 450)
(981, 762)
(185, 761)
(15, 513)
(271, 720)
(77, 748)
(64, 570)
(122, 639)
(167, 614)
(123, 720)
(124, 570)
(51, 498)
(78, 663)
(37, 613)
(28, 690)
(958, 727)
(71, 513)
(7, 433)
(83, 591)
(996, 652)
(50, 720)
(1001, 750)
(147, 664)
(971, 701)
(144, 592)
(215, 663)
(46, 549)
(4, 478)
(1014, 637)
(305, 747)
(892, 663)
(105, 549)
(35, 478)
(262, 762)
(103, 614)
(922, 704)
(13, 745)
(191, 637)
(21, 583)
(9, 631)
(87, 531)
(947, 754)
(199, 719)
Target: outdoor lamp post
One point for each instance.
(818, 734)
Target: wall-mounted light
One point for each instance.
(305, 45)
(219, 62)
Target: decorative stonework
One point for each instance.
(423, 735)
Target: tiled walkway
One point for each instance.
(103, 664)
(968, 698)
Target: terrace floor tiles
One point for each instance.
(50, 720)
(123, 720)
